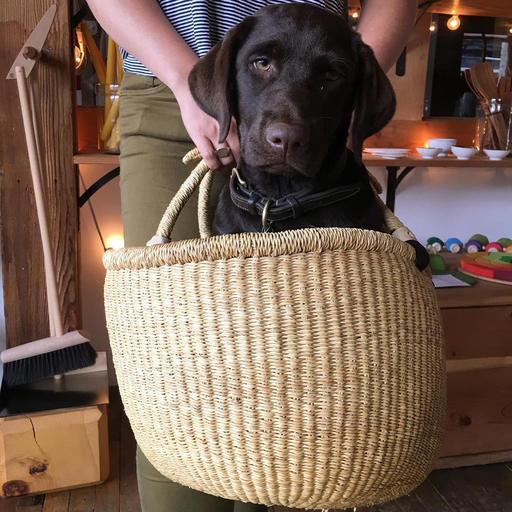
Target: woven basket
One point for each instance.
(302, 368)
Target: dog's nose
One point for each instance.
(287, 136)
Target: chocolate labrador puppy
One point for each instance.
(294, 76)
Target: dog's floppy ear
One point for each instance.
(212, 80)
(375, 100)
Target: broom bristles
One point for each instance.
(46, 365)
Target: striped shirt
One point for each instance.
(201, 23)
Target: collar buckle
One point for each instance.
(264, 216)
(235, 172)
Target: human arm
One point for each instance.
(385, 26)
(143, 30)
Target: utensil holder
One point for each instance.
(494, 124)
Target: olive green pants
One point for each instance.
(153, 142)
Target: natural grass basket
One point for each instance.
(302, 368)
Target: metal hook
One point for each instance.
(239, 178)
(264, 214)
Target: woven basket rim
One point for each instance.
(255, 245)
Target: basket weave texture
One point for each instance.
(303, 368)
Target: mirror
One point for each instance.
(477, 39)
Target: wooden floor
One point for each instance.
(475, 489)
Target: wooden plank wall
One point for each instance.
(21, 252)
(413, 134)
(493, 8)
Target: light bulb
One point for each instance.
(114, 242)
(79, 49)
(453, 22)
(433, 26)
(355, 14)
(510, 30)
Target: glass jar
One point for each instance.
(494, 124)
(107, 99)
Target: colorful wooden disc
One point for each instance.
(489, 266)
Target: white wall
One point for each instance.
(454, 202)
(432, 202)
(107, 207)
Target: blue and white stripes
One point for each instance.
(201, 23)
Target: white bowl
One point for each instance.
(496, 154)
(428, 153)
(464, 153)
(443, 144)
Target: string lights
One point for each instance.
(114, 242)
(453, 22)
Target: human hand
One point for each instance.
(204, 131)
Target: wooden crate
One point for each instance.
(46, 452)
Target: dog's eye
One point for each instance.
(262, 64)
(332, 75)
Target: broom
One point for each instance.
(61, 352)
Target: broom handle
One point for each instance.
(38, 192)
(35, 103)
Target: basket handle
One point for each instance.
(398, 229)
(203, 217)
(201, 177)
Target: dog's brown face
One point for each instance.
(292, 76)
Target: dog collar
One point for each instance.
(287, 207)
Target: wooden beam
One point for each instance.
(21, 252)
(410, 88)
(490, 8)
(482, 363)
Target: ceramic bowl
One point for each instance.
(443, 144)
(464, 153)
(496, 154)
(428, 153)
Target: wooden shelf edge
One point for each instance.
(477, 459)
(450, 161)
(369, 161)
(483, 294)
(95, 158)
(462, 301)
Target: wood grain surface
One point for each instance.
(22, 261)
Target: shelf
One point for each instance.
(96, 159)
(450, 161)
(369, 161)
(484, 293)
